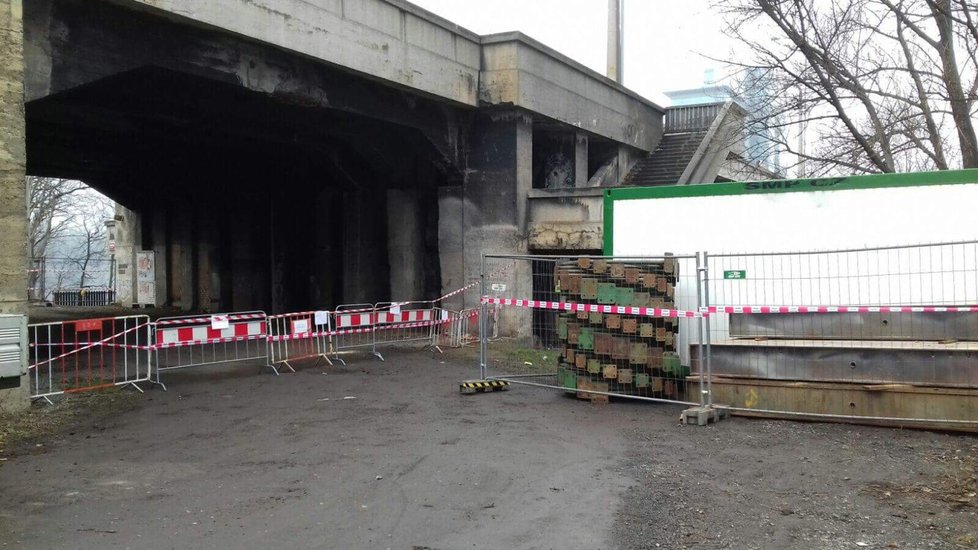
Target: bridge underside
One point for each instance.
(248, 201)
(265, 179)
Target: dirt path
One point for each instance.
(229, 458)
(249, 461)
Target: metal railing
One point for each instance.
(883, 335)
(197, 341)
(89, 354)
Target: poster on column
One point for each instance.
(146, 277)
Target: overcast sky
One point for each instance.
(665, 40)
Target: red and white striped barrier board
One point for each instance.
(593, 308)
(208, 320)
(355, 320)
(407, 316)
(199, 335)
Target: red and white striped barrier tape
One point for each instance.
(418, 324)
(712, 310)
(473, 284)
(106, 345)
(346, 331)
(839, 309)
(87, 346)
(207, 320)
(593, 308)
(296, 314)
(298, 336)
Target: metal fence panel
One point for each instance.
(89, 354)
(594, 326)
(407, 322)
(296, 336)
(195, 341)
(880, 335)
(353, 329)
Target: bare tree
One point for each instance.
(66, 231)
(49, 214)
(88, 235)
(881, 85)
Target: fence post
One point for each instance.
(699, 305)
(706, 322)
(483, 314)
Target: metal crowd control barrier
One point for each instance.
(461, 328)
(405, 322)
(354, 329)
(193, 341)
(296, 336)
(89, 354)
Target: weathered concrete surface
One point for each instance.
(566, 205)
(489, 215)
(522, 72)
(568, 236)
(13, 201)
(405, 248)
(393, 41)
(13, 186)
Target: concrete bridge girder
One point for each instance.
(169, 103)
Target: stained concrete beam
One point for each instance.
(393, 41)
(522, 72)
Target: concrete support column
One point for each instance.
(159, 221)
(366, 273)
(405, 246)
(324, 270)
(249, 257)
(580, 160)
(13, 187)
(499, 177)
(451, 246)
(627, 157)
(128, 239)
(181, 259)
(208, 264)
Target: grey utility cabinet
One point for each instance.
(13, 346)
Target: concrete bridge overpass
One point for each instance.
(283, 154)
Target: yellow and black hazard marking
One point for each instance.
(473, 386)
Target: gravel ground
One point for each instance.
(232, 459)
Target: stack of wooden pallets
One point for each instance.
(619, 354)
